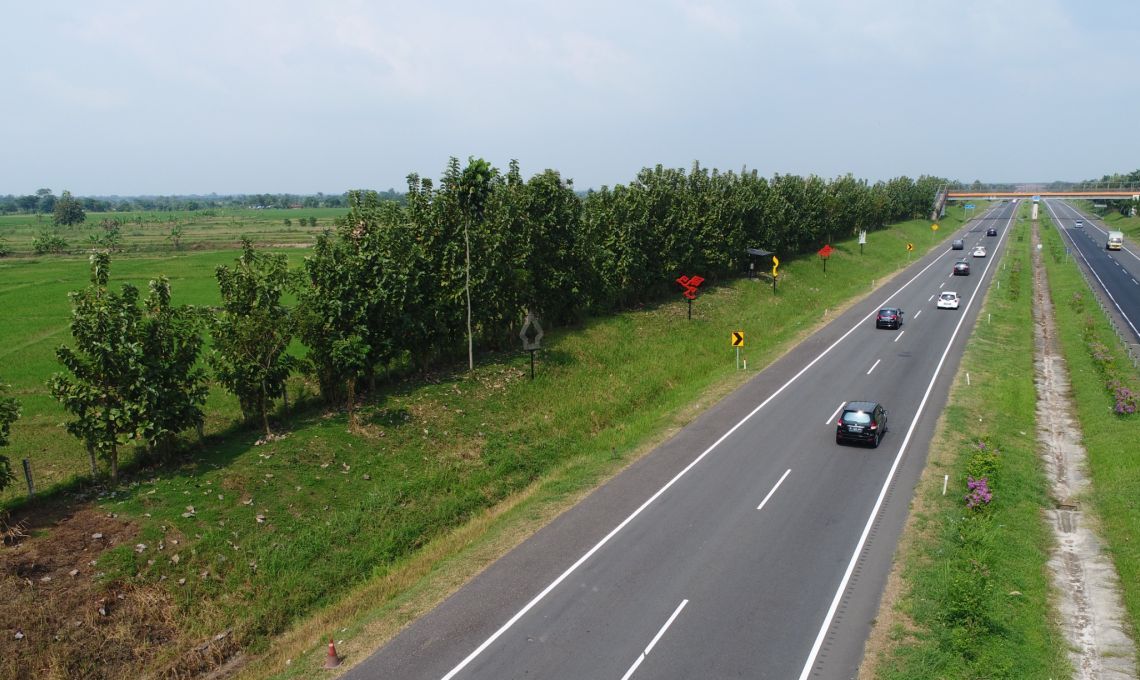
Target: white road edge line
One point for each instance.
(1094, 226)
(657, 637)
(1098, 279)
(899, 335)
(873, 366)
(890, 477)
(782, 478)
(836, 413)
(613, 532)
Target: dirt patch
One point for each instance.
(1092, 615)
(59, 619)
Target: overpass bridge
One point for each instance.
(1086, 191)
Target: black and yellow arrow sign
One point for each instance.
(738, 338)
(910, 246)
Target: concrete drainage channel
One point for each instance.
(1092, 616)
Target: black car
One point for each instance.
(861, 421)
(991, 232)
(889, 317)
(961, 268)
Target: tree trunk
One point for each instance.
(467, 279)
(265, 410)
(91, 456)
(114, 462)
(351, 388)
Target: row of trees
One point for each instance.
(454, 268)
(44, 202)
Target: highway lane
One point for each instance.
(1115, 272)
(749, 545)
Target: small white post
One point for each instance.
(967, 379)
(945, 481)
(746, 364)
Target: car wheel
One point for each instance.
(839, 440)
(875, 442)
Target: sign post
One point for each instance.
(824, 254)
(531, 335)
(690, 284)
(737, 342)
(862, 240)
(933, 230)
(909, 250)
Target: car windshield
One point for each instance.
(856, 417)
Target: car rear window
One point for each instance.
(856, 417)
(948, 296)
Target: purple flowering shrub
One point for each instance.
(979, 494)
(1126, 398)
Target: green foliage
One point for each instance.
(131, 374)
(253, 330)
(174, 386)
(9, 413)
(67, 211)
(49, 242)
(103, 386)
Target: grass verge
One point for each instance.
(971, 594)
(1096, 359)
(240, 543)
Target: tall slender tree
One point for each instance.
(9, 412)
(174, 388)
(103, 386)
(253, 330)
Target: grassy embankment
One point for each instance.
(339, 511)
(973, 594)
(1094, 355)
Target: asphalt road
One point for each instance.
(749, 545)
(1115, 273)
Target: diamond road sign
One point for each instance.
(531, 332)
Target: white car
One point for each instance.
(948, 299)
(979, 251)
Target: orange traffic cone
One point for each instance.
(333, 660)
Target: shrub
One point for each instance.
(978, 494)
(49, 242)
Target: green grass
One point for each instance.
(34, 297)
(149, 231)
(1110, 439)
(344, 509)
(975, 595)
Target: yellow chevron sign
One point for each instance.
(738, 338)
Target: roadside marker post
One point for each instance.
(737, 341)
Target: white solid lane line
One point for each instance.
(782, 478)
(873, 367)
(899, 335)
(661, 491)
(655, 639)
(836, 413)
(842, 587)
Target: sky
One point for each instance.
(134, 97)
